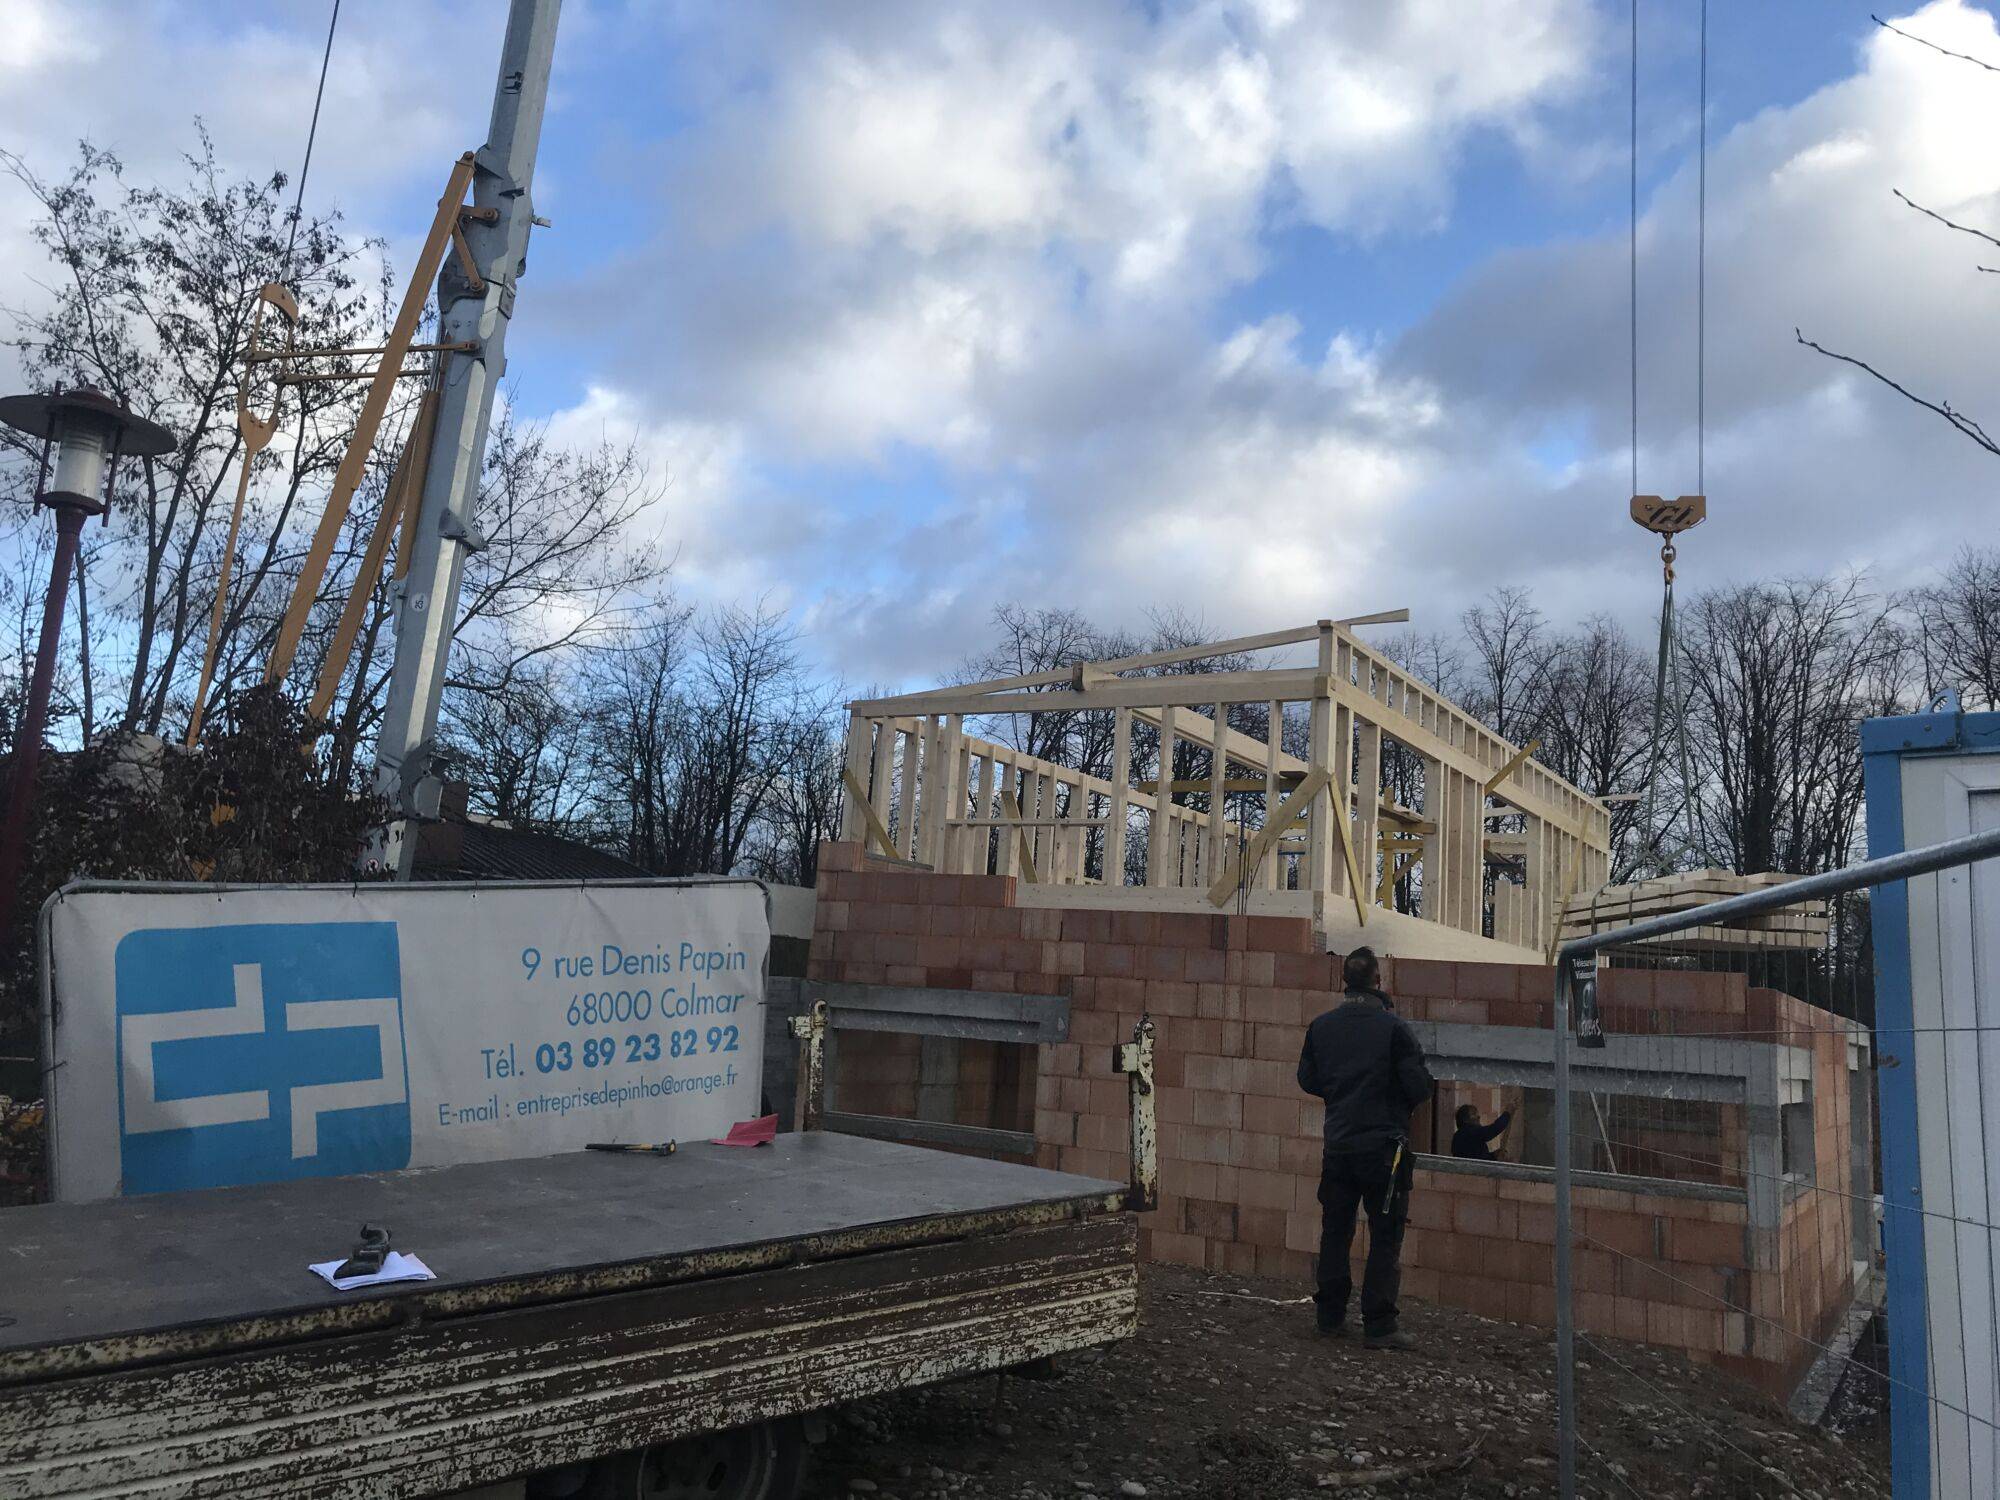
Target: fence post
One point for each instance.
(1565, 1314)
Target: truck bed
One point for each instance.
(177, 1345)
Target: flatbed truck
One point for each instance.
(601, 1325)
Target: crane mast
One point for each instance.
(475, 304)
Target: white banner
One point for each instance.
(209, 1036)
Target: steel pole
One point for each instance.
(34, 718)
(474, 311)
(1565, 1313)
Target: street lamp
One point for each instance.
(88, 431)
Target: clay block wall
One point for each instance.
(878, 1073)
(1240, 1145)
(1816, 1244)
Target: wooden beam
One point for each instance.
(405, 490)
(1274, 746)
(852, 825)
(1430, 745)
(1337, 807)
(1394, 868)
(1514, 763)
(1121, 771)
(1320, 874)
(1190, 690)
(876, 831)
(1403, 817)
(1569, 895)
(1473, 728)
(1087, 672)
(1218, 784)
(1062, 820)
(1013, 811)
(1163, 809)
(1288, 813)
(1186, 784)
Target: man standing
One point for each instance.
(1368, 1067)
(1471, 1139)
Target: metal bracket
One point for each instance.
(454, 530)
(810, 1030)
(1135, 1060)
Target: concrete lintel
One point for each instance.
(1716, 1070)
(988, 1015)
(1701, 1087)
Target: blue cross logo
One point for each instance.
(260, 1052)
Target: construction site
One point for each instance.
(1704, 1127)
(482, 1016)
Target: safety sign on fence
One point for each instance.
(213, 1036)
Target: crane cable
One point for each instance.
(312, 133)
(1666, 675)
(253, 433)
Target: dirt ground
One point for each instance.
(1227, 1395)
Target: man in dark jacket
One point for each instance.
(1471, 1139)
(1368, 1067)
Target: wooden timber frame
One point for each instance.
(1264, 831)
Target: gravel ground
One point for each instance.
(1228, 1394)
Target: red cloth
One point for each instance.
(759, 1132)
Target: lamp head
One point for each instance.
(88, 429)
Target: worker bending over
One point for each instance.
(1368, 1067)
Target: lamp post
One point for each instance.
(89, 431)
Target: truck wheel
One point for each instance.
(760, 1462)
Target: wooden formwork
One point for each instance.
(1264, 830)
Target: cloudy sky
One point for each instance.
(1265, 309)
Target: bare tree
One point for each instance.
(1594, 720)
(1507, 636)
(152, 291)
(151, 298)
(1779, 677)
(1957, 628)
(524, 751)
(1029, 642)
(701, 721)
(803, 808)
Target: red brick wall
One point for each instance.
(1240, 1145)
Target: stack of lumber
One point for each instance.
(1800, 926)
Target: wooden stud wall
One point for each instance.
(971, 806)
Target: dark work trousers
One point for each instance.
(1347, 1181)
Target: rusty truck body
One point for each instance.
(591, 1314)
(587, 1306)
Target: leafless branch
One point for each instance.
(1959, 420)
(1948, 223)
(1961, 56)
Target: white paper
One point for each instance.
(396, 1266)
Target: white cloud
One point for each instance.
(999, 238)
(969, 267)
(1809, 464)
